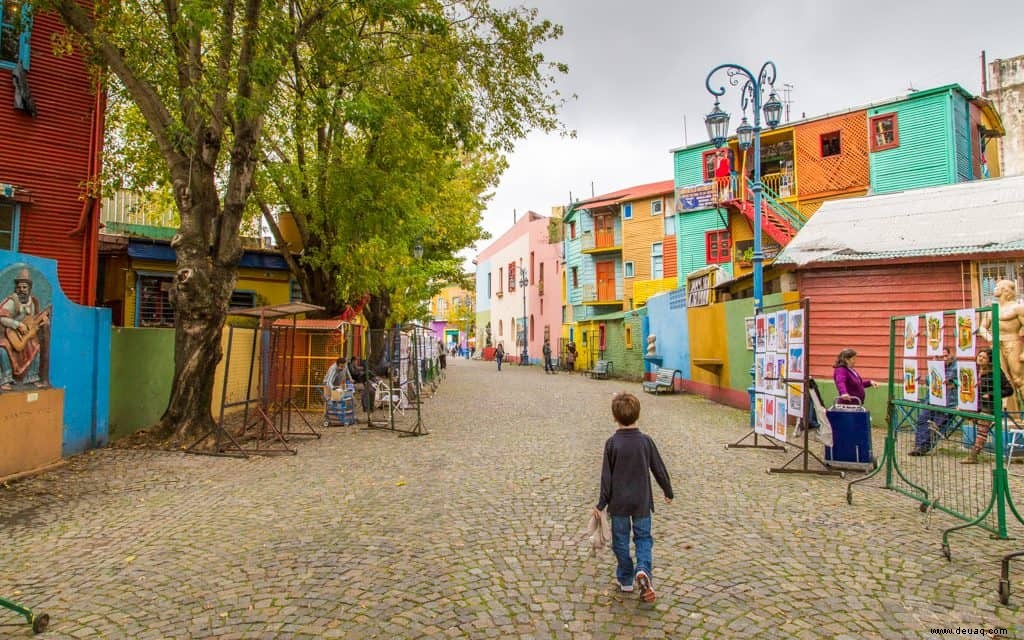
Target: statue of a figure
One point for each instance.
(650, 344)
(1011, 328)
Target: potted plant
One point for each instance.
(747, 258)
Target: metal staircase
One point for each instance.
(779, 220)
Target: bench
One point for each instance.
(601, 370)
(665, 381)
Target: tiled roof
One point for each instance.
(985, 216)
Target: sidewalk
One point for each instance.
(478, 531)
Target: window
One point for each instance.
(989, 273)
(883, 132)
(629, 337)
(501, 280)
(542, 306)
(656, 267)
(489, 274)
(532, 325)
(709, 160)
(718, 245)
(244, 299)
(511, 277)
(15, 32)
(572, 230)
(656, 207)
(830, 144)
(628, 270)
(153, 301)
(500, 325)
(575, 277)
(601, 334)
(627, 211)
(8, 226)
(541, 277)
(670, 225)
(531, 267)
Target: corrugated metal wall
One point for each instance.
(961, 124)
(48, 155)
(638, 235)
(851, 306)
(692, 248)
(924, 157)
(688, 169)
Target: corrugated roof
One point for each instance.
(629, 193)
(329, 324)
(985, 216)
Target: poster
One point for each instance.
(773, 334)
(933, 326)
(795, 398)
(759, 332)
(769, 415)
(965, 328)
(911, 328)
(796, 326)
(759, 414)
(748, 324)
(782, 329)
(759, 373)
(967, 384)
(910, 380)
(796, 361)
(780, 372)
(780, 419)
(769, 372)
(937, 382)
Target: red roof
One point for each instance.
(330, 324)
(630, 193)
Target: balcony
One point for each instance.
(589, 245)
(590, 298)
(540, 288)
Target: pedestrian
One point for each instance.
(630, 457)
(986, 402)
(499, 355)
(849, 384)
(570, 357)
(932, 424)
(548, 366)
(442, 356)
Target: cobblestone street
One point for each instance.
(479, 531)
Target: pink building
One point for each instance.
(525, 249)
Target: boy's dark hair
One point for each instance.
(625, 408)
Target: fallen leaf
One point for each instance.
(129, 559)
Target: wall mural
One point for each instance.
(25, 315)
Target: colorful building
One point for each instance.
(451, 313)
(52, 141)
(503, 305)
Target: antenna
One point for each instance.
(513, 216)
(591, 188)
(686, 143)
(787, 89)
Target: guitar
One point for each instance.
(33, 324)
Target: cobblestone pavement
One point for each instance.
(478, 531)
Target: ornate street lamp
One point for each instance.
(524, 281)
(717, 122)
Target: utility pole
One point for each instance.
(787, 89)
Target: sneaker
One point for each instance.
(626, 588)
(917, 452)
(646, 589)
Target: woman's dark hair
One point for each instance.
(844, 355)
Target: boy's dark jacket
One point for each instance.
(630, 457)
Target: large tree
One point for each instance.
(396, 143)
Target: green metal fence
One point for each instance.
(977, 494)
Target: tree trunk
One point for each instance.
(376, 314)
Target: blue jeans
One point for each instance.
(924, 439)
(499, 362)
(620, 545)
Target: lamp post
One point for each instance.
(718, 129)
(524, 281)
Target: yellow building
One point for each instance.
(452, 316)
(648, 242)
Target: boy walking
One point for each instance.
(630, 457)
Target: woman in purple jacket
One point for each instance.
(849, 384)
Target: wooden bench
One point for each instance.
(601, 370)
(665, 381)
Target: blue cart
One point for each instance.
(339, 407)
(851, 438)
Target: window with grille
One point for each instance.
(656, 206)
(670, 225)
(656, 261)
(243, 299)
(628, 269)
(154, 301)
(8, 227)
(294, 291)
(989, 273)
(884, 132)
(830, 144)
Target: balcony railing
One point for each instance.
(589, 293)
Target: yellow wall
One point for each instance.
(638, 234)
(271, 287)
(455, 299)
(644, 289)
(708, 341)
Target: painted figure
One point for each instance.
(25, 332)
(1011, 326)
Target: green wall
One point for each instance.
(615, 346)
(141, 369)
(691, 247)
(689, 171)
(926, 155)
(633, 359)
(741, 359)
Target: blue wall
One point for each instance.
(79, 354)
(666, 319)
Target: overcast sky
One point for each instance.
(638, 67)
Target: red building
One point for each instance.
(51, 117)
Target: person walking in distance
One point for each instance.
(499, 355)
(630, 458)
(548, 366)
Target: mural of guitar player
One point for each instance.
(25, 339)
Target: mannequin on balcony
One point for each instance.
(723, 176)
